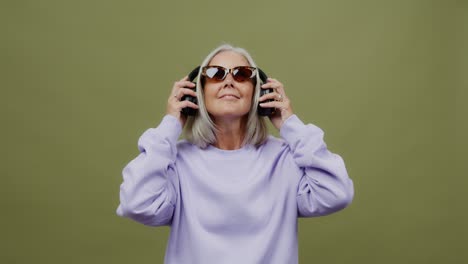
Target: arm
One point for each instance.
(324, 187)
(149, 190)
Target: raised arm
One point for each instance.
(149, 190)
(325, 186)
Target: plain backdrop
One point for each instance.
(386, 80)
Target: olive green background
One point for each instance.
(386, 81)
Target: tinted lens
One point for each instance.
(217, 73)
(240, 73)
(243, 73)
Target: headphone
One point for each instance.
(262, 111)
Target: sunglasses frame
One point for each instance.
(227, 71)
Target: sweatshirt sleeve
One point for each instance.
(324, 187)
(149, 190)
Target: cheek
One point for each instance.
(209, 97)
(250, 93)
(208, 92)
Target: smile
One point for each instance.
(229, 96)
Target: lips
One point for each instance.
(227, 96)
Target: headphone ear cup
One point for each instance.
(262, 75)
(188, 111)
(194, 73)
(262, 111)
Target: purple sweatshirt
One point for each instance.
(233, 206)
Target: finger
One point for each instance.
(271, 85)
(273, 104)
(279, 97)
(272, 96)
(179, 85)
(274, 85)
(184, 91)
(280, 90)
(184, 104)
(284, 109)
(176, 107)
(273, 80)
(182, 84)
(176, 83)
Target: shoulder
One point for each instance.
(274, 141)
(274, 145)
(184, 145)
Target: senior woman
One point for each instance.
(230, 192)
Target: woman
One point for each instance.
(230, 192)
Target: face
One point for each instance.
(228, 98)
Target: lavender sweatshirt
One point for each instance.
(233, 206)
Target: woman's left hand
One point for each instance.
(280, 102)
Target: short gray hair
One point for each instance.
(200, 129)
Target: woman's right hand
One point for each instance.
(175, 105)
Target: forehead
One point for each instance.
(229, 59)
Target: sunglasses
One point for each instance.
(239, 73)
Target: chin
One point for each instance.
(229, 111)
(230, 114)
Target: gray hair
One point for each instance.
(201, 130)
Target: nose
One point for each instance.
(228, 81)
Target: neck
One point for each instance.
(230, 134)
